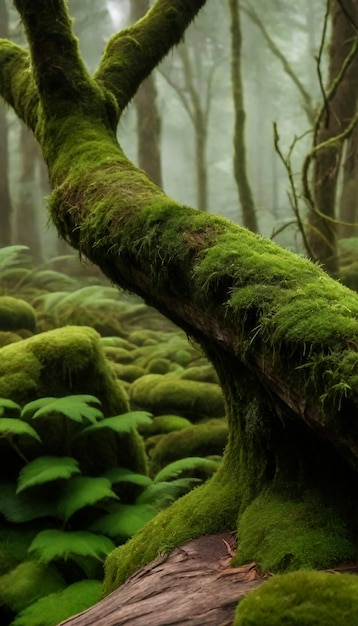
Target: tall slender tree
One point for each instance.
(5, 198)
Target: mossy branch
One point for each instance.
(134, 52)
(17, 86)
(58, 69)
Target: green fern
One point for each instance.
(124, 475)
(54, 545)
(11, 426)
(188, 464)
(45, 469)
(120, 423)
(9, 407)
(83, 491)
(25, 507)
(124, 520)
(76, 408)
(164, 493)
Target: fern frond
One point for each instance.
(9, 407)
(124, 475)
(191, 463)
(24, 507)
(125, 520)
(83, 491)
(12, 426)
(45, 469)
(52, 545)
(120, 423)
(12, 255)
(74, 407)
(164, 493)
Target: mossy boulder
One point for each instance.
(7, 337)
(198, 440)
(165, 424)
(16, 314)
(170, 394)
(28, 582)
(303, 598)
(62, 362)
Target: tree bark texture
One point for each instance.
(240, 168)
(192, 585)
(5, 199)
(337, 113)
(282, 335)
(148, 118)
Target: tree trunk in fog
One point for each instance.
(26, 223)
(338, 112)
(240, 168)
(148, 118)
(5, 199)
(348, 205)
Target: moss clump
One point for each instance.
(158, 366)
(169, 394)
(128, 373)
(207, 509)
(16, 314)
(303, 598)
(198, 440)
(165, 424)
(283, 534)
(28, 582)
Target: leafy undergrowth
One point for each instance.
(58, 519)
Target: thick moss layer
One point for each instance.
(303, 598)
(16, 314)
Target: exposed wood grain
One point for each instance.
(193, 585)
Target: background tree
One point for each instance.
(5, 200)
(148, 118)
(332, 127)
(240, 170)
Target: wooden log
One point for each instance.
(193, 585)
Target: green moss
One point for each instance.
(166, 424)
(199, 440)
(207, 509)
(8, 337)
(16, 314)
(28, 582)
(128, 373)
(56, 607)
(203, 373)
(169, 394)
(283, 534)
(158, 366)
(302, 598)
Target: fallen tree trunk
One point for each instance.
(192, 585)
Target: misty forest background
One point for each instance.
(283, 62)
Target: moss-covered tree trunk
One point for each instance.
(281, 334)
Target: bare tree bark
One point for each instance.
(337, 113)
(240, 168)
(5, 199)
(148, 118)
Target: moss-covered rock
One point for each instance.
(16, 314)
(198, 440)
(165, 424)
(7, 337)
(28, 582)
(63, 362)
(168, 394)
(128, 373)
(283, 534)
(203, 373)
(303, 598)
